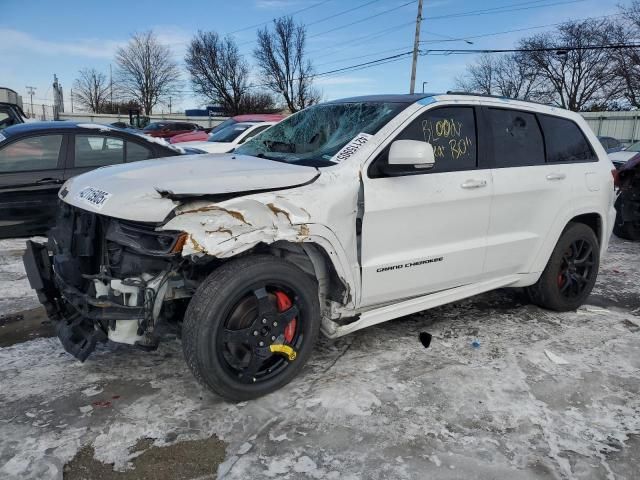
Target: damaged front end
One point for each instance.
(627, 204)
(101, 278)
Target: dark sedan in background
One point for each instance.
(37, 158)
(170, 129)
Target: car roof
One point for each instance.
(258, 117)
(63, 126)
(29, 127)
(386, 98)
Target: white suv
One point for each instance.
(344, 215)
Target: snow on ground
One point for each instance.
(15, 293)
(373, 405)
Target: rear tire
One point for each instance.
(234, 317)
(571, 271)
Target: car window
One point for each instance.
(452, 133)
(33, 153)
(228, 134)
(255, 132)
(98, 151)
(517, 139)
(137, 152)
(565, 141)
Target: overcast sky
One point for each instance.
(42, 37)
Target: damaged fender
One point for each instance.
(229, 228)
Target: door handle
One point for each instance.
(474, 184)
(48, 181)
(556, 176)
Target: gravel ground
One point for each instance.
(545, 395)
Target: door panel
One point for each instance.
(423, 233)
(534, 186)
(426, 231)
(527, 200)
(29, 190)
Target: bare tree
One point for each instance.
(280, 56)
(258, 102)
(218, 71)
(147, 72)
(627, 60)
(577, 75)
(506, 75)
(480, 76)
(91, 90)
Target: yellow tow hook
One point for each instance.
(284, 350)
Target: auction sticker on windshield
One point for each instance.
(2, 138)
(94, 197)
(352, 147)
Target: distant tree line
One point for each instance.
(556, 68)
(148, 75)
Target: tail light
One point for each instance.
(616, 177)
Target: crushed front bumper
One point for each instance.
(81, 321)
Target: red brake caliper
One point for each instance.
(284, 303)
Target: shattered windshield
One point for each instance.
(314, 135)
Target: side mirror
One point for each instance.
(412, 152)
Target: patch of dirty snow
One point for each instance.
(502, 410)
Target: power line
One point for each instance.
(291, 14)
(559, 50)
(359, 40)
(516, 30)
(503, 9)
(342, 13)
(340, 27)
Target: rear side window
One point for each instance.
(565, 141)
(98, 151)
(137, 152)
(517, 139)
(33, 153)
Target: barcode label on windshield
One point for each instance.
(352, 147)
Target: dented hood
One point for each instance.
(147, 190)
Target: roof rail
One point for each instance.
(501, 97)
(454, 92)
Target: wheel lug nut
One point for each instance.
(275, 324)
(261, 344)
(264, 320)
(272, 338)
(255, 333)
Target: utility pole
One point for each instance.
(71, 97)
(169, 105)
(416, 45)
(30, 92)
(111, 86)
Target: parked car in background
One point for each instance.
(170, 129)
(611, 144)
(11, 112)
(202, 135)
(627, 204)
(342, 216)
(228, 138)
(37, 158)
(618, 158)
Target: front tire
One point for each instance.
(571, 271)
(238, 313)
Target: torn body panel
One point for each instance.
(297, 216)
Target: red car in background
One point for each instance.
(203, 135)
(170, 129)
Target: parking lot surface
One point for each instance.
(543, 395)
